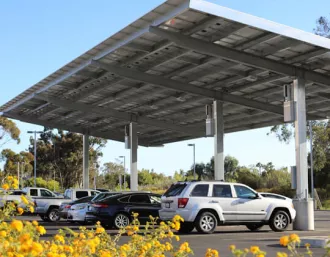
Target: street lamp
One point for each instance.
(193, 145)
(35, 154)
(123, 157)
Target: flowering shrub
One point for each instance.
(23, 238)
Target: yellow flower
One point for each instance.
(260, 255)
(281, 255)
(35, 223)
(232, 247)
(99, 230)
(36, 248)
(20, 210)
(24, 238)
(31, 209)
(307, 245)
(17, 224)
(106, 254)
(246, 250)
(41, 230)
(10, 178)
(284, 240)
(3, 233)
(5, 186)
(294, 238)
(59, 238)
(177, 238)
(254, 249)
(24, 200)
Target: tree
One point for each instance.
(230, 166)
(322, 27)
(12, 159)
(8, 131)
(60, 155)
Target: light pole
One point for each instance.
(123, 157)
(193, 145)
(35, 154)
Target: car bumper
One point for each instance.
(293, 214)
(63, 214)
(91, 217)
(187, 215)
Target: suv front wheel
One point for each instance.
(279, 221)
(206, 223)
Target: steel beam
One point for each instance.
(239, 56)
(85, 161)
(107, 112)
(133, 160)
(188, 88)
(219, 170)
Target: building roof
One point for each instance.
(164, 68)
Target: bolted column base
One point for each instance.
(305, 214)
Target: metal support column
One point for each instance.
(86, 161)
(303, 205)
(219, 171)
(133, 149)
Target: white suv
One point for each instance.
(207, 204)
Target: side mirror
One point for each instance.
(257, 196)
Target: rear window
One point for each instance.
(67, 194)
(200, 190)
(139, 199)
(175, 190)
(34, 192)
(80, 194)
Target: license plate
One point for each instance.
(167, 205)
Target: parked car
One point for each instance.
(116, 211)
(77, 213)
(65, 207)
(75, 194)
(205, 205)
(39, 192)
(276, 196)
(48, 207)
(14, 196)
(102, 190)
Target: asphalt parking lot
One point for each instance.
(266, 239)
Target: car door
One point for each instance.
(141, 204)
(222, 195)
(249, 206)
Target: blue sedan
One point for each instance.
(116, 211)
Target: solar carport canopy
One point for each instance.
(163, 69)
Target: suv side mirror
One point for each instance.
(257, 196)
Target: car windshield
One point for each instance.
(175, 190)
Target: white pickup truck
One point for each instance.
(39, 192)
(48, 207)
(13, 196)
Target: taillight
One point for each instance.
(67, 206)
(182, 202)
(100, 205)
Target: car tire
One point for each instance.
(53, 215)
(121, 220)
(44, 218)
(279, 221)
(206, 223)
(186, 227)
(254, 227)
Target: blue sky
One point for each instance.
(38, 37)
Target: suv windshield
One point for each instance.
(175, 190)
